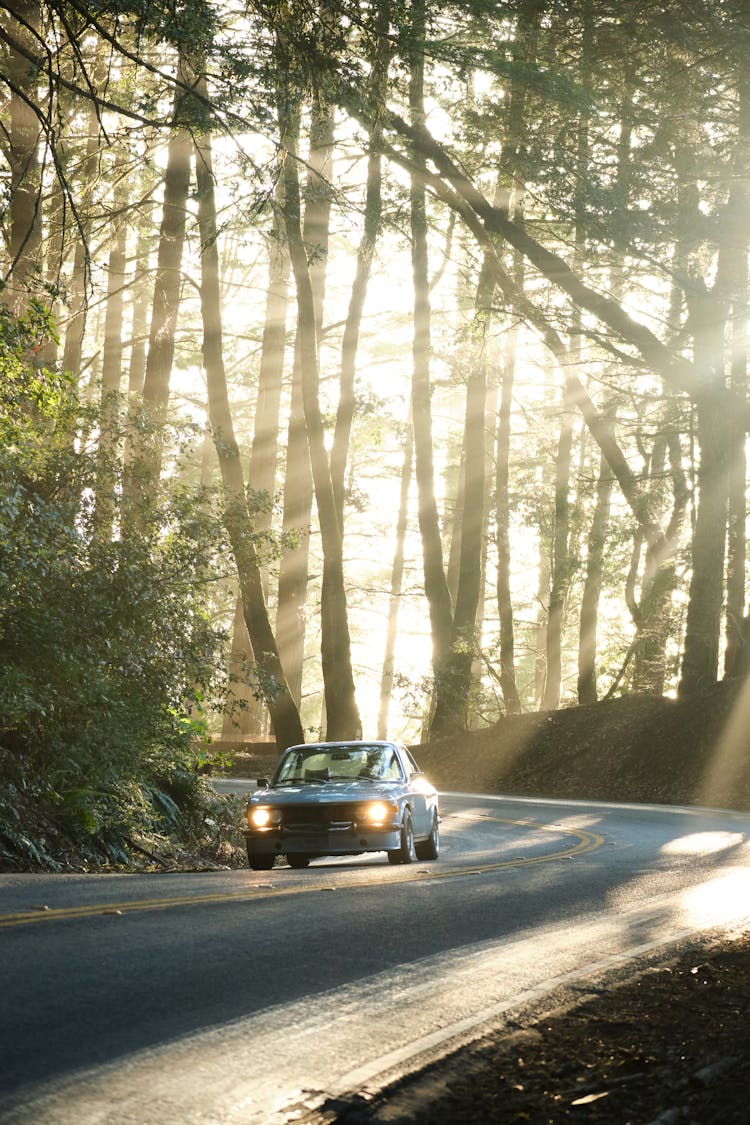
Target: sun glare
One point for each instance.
(718, 901)
(703, 843)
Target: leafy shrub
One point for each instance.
(107, 649)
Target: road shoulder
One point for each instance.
(665, 1042)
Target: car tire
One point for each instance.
(259, 862)
(404, 853)
(430, 848)
(298, 861)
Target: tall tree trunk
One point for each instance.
(298, 484)
(508, 683)
(737, 238)
(436, 586)
(293, 568)
(700, 659)
(561, 552)
(477, 695)
(452, 694)
(23, 155)
(55, 255)
(343, 720)
(271, 681)
(652, 613)
(111, 369)
(397, 577)
(77, 300)
(370, 233)
(262, 472)
(540, 633)
(452, 508)
(560, 576)
(144, 461)
(648, 612)
(736, 538)
(265, 445)
(593, 581)
(709, 310)
(168, 277)
(240, 719)
(140, 295)
(515, 130)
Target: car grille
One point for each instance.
(319, 818)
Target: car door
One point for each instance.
(419, 792)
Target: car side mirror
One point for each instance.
(417, 773)
(262, 782)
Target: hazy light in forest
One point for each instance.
(384, 365)
(727, 764)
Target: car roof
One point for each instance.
(349, 742)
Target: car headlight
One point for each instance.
(263, 816)
(378, 812)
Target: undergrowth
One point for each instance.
(180, 824)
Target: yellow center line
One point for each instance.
(586, 842)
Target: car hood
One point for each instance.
(330, 792)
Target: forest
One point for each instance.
(369, 367)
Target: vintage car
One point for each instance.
(342, 798)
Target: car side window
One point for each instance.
(412, 765)
(382, 765)
(391, 769)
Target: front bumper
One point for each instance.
(349, 839)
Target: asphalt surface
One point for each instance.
(250, 997)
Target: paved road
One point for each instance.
(238, 996)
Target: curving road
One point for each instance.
(250, 997)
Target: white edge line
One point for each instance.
(509, 798)
(441, 1043)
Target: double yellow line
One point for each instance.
(585, 842)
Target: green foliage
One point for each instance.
(190, 25)
(107, 652)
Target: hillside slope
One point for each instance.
(633, 749)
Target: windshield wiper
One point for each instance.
(300, 781)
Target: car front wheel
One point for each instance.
(430, 848)
(405, 852)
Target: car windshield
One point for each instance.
(318, 764)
